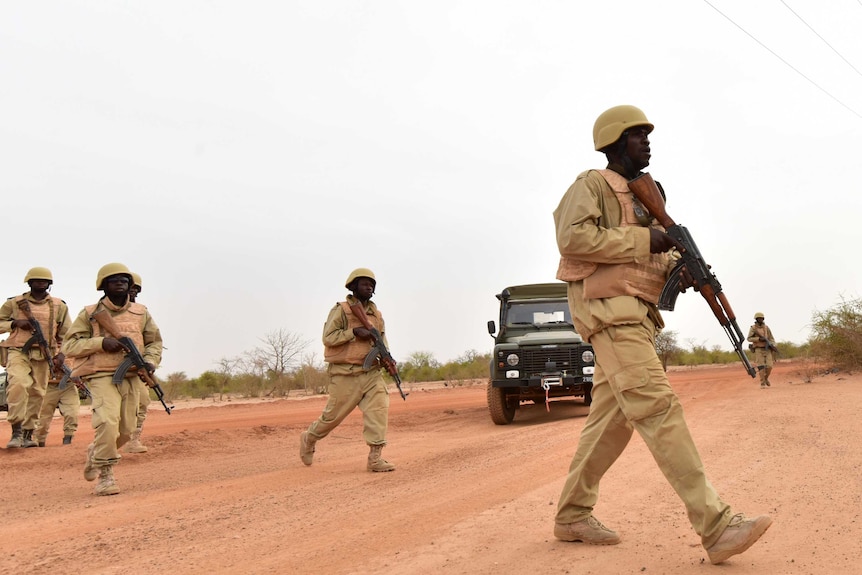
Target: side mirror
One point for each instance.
(492, 327)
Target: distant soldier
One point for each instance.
(763, 342)
(134, 445)
(26, 365)
(98, 355)
(346, 343)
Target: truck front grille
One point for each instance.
(538, 360)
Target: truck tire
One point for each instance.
(501, 412)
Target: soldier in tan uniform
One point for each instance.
(134, 445)
(69, 403)
(98, 355)
(761, 339)
(29, 371)
(346, 344)
(616, 258)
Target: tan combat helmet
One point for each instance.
(38, 273)
(759, 315)
(111, 269)
(136, 282)
(613, 122)
(360, 273)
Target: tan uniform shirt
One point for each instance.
(81, 342)
(588, 228)
(54, 334)
(336, 333)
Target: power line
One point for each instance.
(786, 63)
(821, 37)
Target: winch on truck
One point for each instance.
(538, 355)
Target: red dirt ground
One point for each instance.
(222, 489)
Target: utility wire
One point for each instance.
(786, 63)
(821, 37)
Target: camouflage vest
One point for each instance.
(353, 352)
(642, 280)
(130, 322)
(45, 312)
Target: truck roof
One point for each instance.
(534, 291)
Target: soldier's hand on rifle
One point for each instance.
(112, 345)
(660, 242)
(59, 360)
(22, 324)
(362, 333)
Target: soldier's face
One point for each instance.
(117, 285)
(364, 288)
(637, 146)
(39, 286)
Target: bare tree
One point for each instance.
(227, 368)
(666, 346)
(281, 353)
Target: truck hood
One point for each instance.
(545, 337)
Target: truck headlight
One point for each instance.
(513, 359)
(588, 357)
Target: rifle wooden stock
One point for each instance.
(379, 349)
(692, 264)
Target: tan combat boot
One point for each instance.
(107, 485)
(134, 445)
(306, 447)
(376, 462)
(27, 439)
(91, 472)
(589, 530)
(17, 437)
(739, 535)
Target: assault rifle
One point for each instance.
(38, 338)
(692, 264)
(379, 351)
(133, 358)
(79, 383)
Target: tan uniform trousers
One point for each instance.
(346, 392)
(115, 409)
(27, 380)
(632, 392)
(68, 402)
(764, 360)
(143, 404)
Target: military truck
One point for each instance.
(538, 355)
(3, 406)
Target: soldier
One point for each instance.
(69, 402)
(26, 365)
(346, 343)
(99, 354)
(761, 338)
(134, 445)
(616, 259)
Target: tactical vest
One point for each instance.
(642, 280)
(762, 333)
(130, 322)
(353, 352)
(45, 312)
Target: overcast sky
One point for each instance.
(244, 157)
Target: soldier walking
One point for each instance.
(26, 362)
(99, 354)
(761, 339)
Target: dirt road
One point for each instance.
(222, 489)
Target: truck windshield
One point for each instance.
(538, 313)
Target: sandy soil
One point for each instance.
(222, 489)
